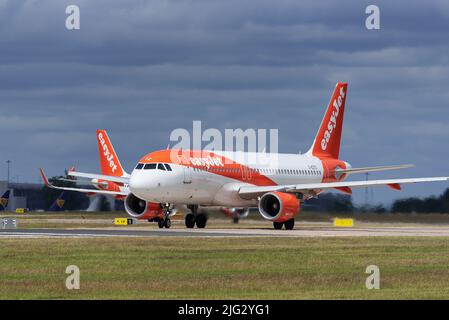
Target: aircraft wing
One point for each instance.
(98, 176)
(374, 169)
(97, 191)
(252, 192)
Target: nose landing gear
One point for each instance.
(165, 222)
(200, 219)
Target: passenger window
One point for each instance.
(160, 166)
(150, 166)
(139, 166)
(167, 166)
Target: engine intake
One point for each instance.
(279, 206)
(135, 206)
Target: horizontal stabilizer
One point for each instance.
(374, 169)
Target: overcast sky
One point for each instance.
(143, 68)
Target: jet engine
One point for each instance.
(142, 209)
(279, 206)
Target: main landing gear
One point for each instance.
(289, 224)
(200, 219)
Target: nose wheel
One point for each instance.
(195, 218)
(165, 222)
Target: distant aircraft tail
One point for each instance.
(327, 140)
(4, 200)
(109, 162)
(59, 203)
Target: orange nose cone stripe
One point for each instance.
(210, 162)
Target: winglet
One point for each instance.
(346, 190)
(44, 177)
(395, 186)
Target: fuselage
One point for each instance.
(213, 178)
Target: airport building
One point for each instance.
(23, 195)
(32, 197)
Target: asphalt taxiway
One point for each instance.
(427, 231)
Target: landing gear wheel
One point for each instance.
(160, 224)
(167, 223)
(201, 220)
(277, 225)
(189, 220)
(289, 224)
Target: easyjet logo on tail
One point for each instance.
(332, 124)
(3, 202)
(107, 153)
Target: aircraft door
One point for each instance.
(187, 175)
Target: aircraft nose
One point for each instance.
(138, 184)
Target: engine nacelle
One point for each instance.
(279, 206)
(142, 209)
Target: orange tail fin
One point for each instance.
(109, 162)
(327, 140)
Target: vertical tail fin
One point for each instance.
(4, 201)
(109, 162)
(59, 203)
(327, 140)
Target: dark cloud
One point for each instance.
(143, 68)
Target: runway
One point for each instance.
(426, 231)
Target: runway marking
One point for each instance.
(299, 232)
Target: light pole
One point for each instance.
(8, 162)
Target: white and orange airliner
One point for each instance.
(110, 165)
(199, 178)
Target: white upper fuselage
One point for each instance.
(214, 178)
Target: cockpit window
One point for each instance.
(160, 166)
(150, 166)
(167, 166)
(139, 166)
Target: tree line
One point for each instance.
(335, 202)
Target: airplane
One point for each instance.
(4, 200)
(110, 166)
(226, 178)
(59, 202)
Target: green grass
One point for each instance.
(213, 268)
